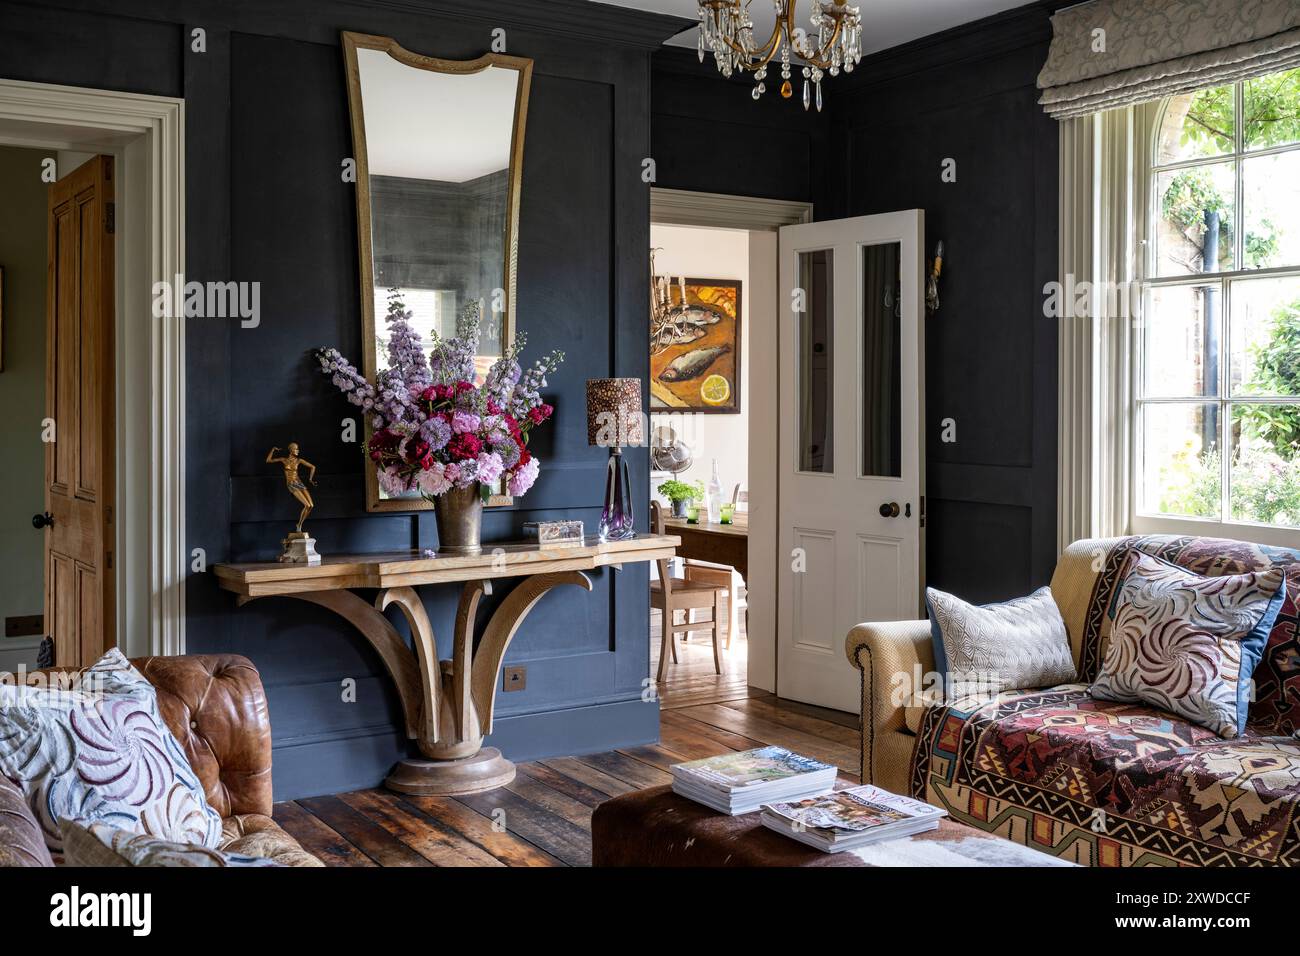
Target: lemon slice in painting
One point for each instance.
(715, 390)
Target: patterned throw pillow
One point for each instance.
(1019, 645)
(1189, 644)
(98, 844)
(99, 750)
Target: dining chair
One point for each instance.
(671, 595)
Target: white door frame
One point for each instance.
(146, 134)
(684, 208)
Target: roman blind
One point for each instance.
(1111, 53)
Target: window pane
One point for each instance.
(1195, 219)
(815, 363)
(1272, 106)
(1197, 124)
(1265, 475)
(1180, 460)
(882, 423)
(1271, 195)
(1266, 336)
(1180, 342)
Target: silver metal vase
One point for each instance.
(459, 512)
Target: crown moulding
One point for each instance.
(579, 19)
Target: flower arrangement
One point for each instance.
(434, 428)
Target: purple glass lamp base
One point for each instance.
(616, 514)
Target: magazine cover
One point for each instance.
(857, 809)
(751, 767)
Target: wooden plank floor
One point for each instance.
(543, 818)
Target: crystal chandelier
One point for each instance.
(727, 29)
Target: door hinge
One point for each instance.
(922, 512)
(110, 217)
(108, 560)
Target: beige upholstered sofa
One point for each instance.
(1094, 781)
(884, 650)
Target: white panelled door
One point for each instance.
(851, 467)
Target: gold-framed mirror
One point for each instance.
(439, 148)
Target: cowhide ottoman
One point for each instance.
(656, 827)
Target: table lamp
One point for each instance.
(614, 420)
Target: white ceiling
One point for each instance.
(885, 23)
(440, 126)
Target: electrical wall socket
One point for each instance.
(514, 677)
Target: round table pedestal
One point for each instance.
(486, 770)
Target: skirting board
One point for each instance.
(358, 762)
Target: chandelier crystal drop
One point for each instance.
(833, 44)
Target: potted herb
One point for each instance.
(680, 493)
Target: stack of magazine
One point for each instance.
(851, 818)
(742, 782)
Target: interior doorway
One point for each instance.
(56, 130)
(713, 393)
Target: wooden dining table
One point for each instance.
(714, 542)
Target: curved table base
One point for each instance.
(486, 770)
(447, 704)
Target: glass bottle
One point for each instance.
(714, 496)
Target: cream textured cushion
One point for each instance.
(1019, 645)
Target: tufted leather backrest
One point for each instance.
(216, 708)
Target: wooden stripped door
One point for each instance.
(80, 605)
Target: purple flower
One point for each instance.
(436, 431)
(464, 422)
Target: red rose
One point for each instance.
(417, 450)
(525, 456)
(464, 446)
(383, 442)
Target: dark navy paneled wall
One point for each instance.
(267, 128)
(967, 94)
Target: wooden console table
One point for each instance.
(447, 704)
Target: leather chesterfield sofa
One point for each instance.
(215, 706)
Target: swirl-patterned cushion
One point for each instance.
(1188, 644)
(99, 844)
(98, 749)
(1018, 645)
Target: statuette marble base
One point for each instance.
(299, 548)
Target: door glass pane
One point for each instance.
(1195, 216)
(882, 425)
(1181, 341)
(1266, 337)
(815, 365)
(1265, 466)
(1270, 191)
(1272, 108)
(1180, 459)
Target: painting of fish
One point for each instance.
(692, 364)
(695, 344)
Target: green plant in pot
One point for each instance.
(681, 493)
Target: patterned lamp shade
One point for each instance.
(614, 412)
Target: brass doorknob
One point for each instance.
(889, 509)
(43, 521)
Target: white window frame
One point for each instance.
(1149, 118)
